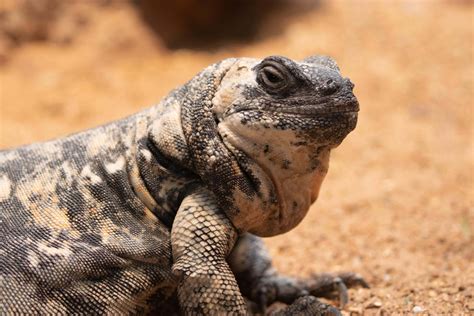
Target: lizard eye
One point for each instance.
(274, 77)
(271, 77)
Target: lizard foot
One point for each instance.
(308, 306)
(333, 286)
(289, 290)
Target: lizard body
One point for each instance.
(160, 212)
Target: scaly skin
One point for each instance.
(160, 212)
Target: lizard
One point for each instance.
(164, 211)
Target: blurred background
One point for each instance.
(397, 205)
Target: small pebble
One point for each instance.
(470, 306)
(374, 303)
(417, 309)
(356, 310)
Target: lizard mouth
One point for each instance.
(319, 109)
(351, 107)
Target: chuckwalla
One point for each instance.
(162, 212)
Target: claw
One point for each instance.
(341, 288)
(353, 279)
(334, 286)
(262, 300)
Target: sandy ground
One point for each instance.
(397, 205)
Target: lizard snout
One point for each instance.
(332, 85)
(349, 83)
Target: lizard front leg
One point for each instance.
(260, 282)
(201, 238)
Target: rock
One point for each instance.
(418, 309)
(356, 310)
(374, 303)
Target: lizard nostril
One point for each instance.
(349, 83)
(329, 87)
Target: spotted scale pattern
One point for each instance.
(159, 212)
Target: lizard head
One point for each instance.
(278, 119)
(309, 100)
